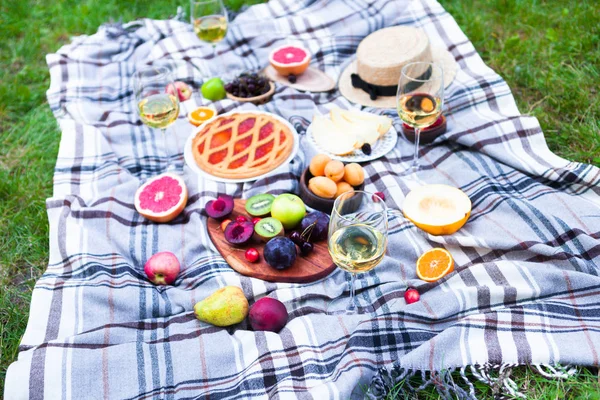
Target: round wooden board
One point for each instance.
(312, 80)
(306, 269)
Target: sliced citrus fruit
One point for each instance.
(437, 209)
(162, 198)
(434, 264)
(290, 60)
(200, 115)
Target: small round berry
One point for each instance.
(292, 78)
(306, 248)
(252, 255)
(366, 148)
(297, 238)
(255, 220)
(411, 296)
(378, 195)
(241, 219)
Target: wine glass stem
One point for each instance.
(170, 166)
(351, 308)
(214, 58)
(415, 161)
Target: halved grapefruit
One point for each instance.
(437, 209)
(162, 198)
(290, 60)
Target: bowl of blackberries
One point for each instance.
(250, 87)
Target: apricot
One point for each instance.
(342, 187)
(354, 174)
(322, 187)
(334, 170)
(318, 163)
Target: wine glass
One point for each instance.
(209, 18)
(420, 98)
(158, 102)
(358, 231)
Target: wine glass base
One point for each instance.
(410, 172)
(341, 306)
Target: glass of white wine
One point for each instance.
(158, 103)
(420, 99)
(358, 231)
(209, 18)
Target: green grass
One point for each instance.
(583, 386)
(547, 51)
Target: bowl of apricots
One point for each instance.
(325, 179)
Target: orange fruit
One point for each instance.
(434, 264)
(201, 115)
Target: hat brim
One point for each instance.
(440, 56)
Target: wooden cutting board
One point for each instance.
(315, 266)
(312, 80)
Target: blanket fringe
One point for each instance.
(405, 383)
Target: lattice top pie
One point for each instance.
(242, 145)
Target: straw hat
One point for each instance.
(380, 58)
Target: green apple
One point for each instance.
(213, 89)
(289, 209)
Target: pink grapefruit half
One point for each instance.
(290, 60)
(162, 198)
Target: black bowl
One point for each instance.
(314, 201)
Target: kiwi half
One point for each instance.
(267, 228)
(259, 205)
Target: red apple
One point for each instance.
(162, 268)
(184, 92)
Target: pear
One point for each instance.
(226, 306)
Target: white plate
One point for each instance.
(384, 145)
(189, 156)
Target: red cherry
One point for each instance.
(241, 219)
(255, 220)
(252, 255)
(411, 296)
(380, 195)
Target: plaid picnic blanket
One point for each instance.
(525, 291)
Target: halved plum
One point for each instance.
(221, 207)
(239, 232)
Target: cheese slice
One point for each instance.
(328, 136)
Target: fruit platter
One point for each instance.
(260, 143)
(270, 237)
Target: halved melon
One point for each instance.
(437, 209)
(290, 60)
(384, 123)
(365, 131)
